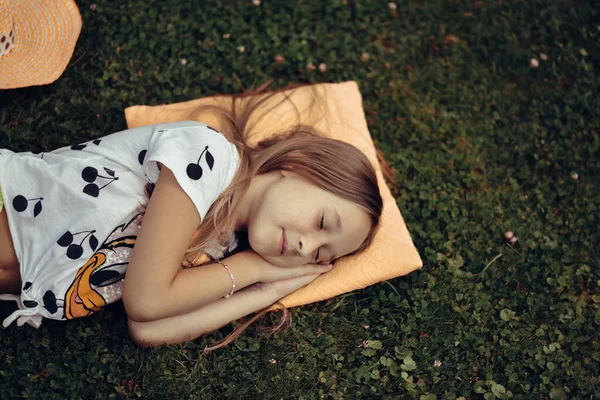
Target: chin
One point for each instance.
(279, 261)
(264, 248)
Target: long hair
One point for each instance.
(330, 164)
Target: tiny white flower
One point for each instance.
(256, 2)
(534, 63)
(322, 67)
(226, 35)
(183, 61)
(437, 363)
(241, 49)
(509, 235)
(574, 175)
(310, 66)
(543, 56)
(392, 5)
(514, 239)
(365, 326)
(272, 360)
(364, 57)
(93, 7)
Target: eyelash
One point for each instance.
(320, 227)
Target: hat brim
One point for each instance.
(45, 36)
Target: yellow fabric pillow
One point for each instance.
(392, 252)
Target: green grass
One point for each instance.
(481, 143)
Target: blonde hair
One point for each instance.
(330, 164)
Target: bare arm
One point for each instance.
(190, 326)
(156, 287)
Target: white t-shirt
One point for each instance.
(73, 213)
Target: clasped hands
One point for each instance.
(282, 281)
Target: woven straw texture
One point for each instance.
(45, 33)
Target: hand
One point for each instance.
(286, 286)
(273, 273)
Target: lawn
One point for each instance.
(489, 113)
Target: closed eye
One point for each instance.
(320, 227)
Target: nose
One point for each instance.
(307, 245)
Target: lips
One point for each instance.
(282, 242)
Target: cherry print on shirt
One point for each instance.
(74, 251)
(84, 145)
(105, 269)
(50, 302)
(20, 204)
(90, 174)
(194, 171)
(142, 156)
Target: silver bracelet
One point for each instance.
(231, 276)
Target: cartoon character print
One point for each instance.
(100, 280)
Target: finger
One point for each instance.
(307, 269)
(317, 269)
(291, 285)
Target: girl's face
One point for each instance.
(293, 222)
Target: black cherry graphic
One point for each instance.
(50, 302)
(194, 171)
(20, 204)
(90, 174)
(84, 145)
(142, 156)
(74, 251)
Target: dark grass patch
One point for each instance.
(480, 141)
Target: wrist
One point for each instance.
(247, 264)
(258, 266)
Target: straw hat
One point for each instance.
(37, 39)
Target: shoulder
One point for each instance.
(196, 133)
(189, 126)
(200, 158)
